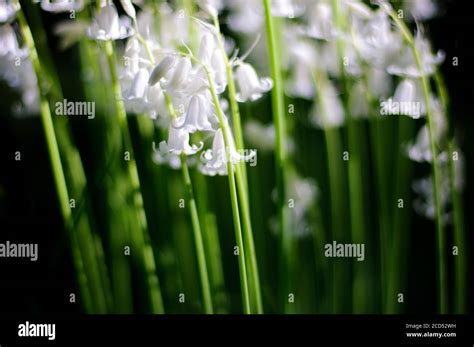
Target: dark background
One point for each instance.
(29, 212)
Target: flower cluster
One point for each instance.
(164, 78)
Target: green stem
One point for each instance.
(278, 112)
(112, 210)
(56, 165)
(457, 205)
(333, 142)
(196, 226)
(141, 238)
(233, 197)
(242, 181)
(205, 286)
(356, 191)
(440, 236)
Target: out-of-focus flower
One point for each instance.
(408, 100)
(303, 191)
(321, 22)
(214, 161)
(211, 7)
(424, 204)
(70, 32)
(260, 135)
(9, 48)
(7, 10)
(358, 101)
(287, 8)
(250, 86)
(107, 25)
(420, 9)
(328, 111)
(57, 6)
(378, 43)
(302, 57)
(17, 71)
(420, 150)
(246, 16)
(406, 65)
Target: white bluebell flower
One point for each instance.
(107, 25)
(420, 9)
(178, 143)
(327, 111)
(57, 6)
(250, 86)
(214, 161)
(198, 115)
(8, 10)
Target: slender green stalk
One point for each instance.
(141, 238)
(440, 236)
(278, 112)
(205, 286)
(399, 240)
(196, 226)
(379, 150)
(356, 191)
(234, 199)
(115, 211)
(242, 181)
(89, 242)
(92, 293)
(336, 185)
(460, 304)
(211, 242)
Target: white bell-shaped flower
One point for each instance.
(9, 48)
(179, 75)
(214, 161)
(409, 99)
(56, 6)
(420, 9)
(135, 95)
(250, 86)
(197, 116)
(321, 22)
(161, 70)
(328, 111)
(245, 16)
(424, 203)
(178, 142)
(406, 65)
(358, 101)
(260, 135)
(107, 25)
(302, 57)
(420, 150)
(219, 72)
(7, 10)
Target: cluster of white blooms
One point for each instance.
(164, 78)
(15, 66)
